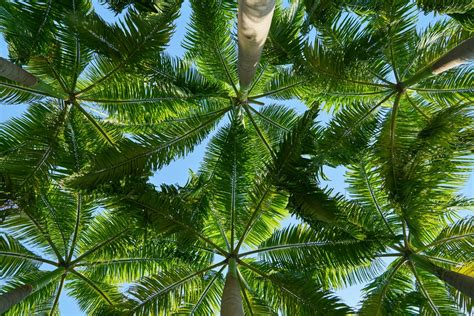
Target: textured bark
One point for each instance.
(457, 56)
(15, 296)
(15, 73)
(461, 54)
(463, 283)
(255, 19)
(231, 304)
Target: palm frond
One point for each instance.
(291, 292)
(151, 151)
(209, 40)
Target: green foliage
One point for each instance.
(111, 107)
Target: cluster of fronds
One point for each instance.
(78, 212)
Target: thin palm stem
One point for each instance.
(443, 260)
(269, 278)
(99, 81)
(387, 283)
(441, 90)
(45, 235)
(125, 61)
(93, 121)
(380, 77)
(53, 212)
(272, 92)
(259, 132)
(76, 227)
(114, 261)
(427, 118)
(27, 257)
(257, 79)
(398, 254)
(268, 120)
(355, 94)
(150, 100)
(338, 78)
(361, 119)
(26, 89)
(251, 220)
(157, 149)
(206, 290)
(445, 240)
(226, 70)
(181, 281)
(374, 199)
(58, 294)
(296, 246)
(393, 125)
(243, 288)
(221, 230)
(233, 194)
(77, 61)
(254, 101)
(46, 155)
(185, 226)
(58, 77)
(91, 284)
(423, 290)
(98, 246)
(392, 59)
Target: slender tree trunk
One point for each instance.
(15, 73)
(255, 19)
(461, 54)
(15, 296)
(457, 56)
(231, 304)
(461, 282)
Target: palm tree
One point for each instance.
(15, 73)
(379, 57)
(458, 10)
(230, 211)
(88, 80)
(66, 76)
(255, 18)
(405, 191)
(59, 240)
(52, 237)
(209, 78)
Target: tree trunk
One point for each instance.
(231, 304)
(457, 56)
(15, 73)
(461, 54)
(255, 19)
(15, 296)
(461, 282)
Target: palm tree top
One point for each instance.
(230, 212)
(58, 241)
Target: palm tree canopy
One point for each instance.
(231, 210)
(107, 107)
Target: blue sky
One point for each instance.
(177, 172)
